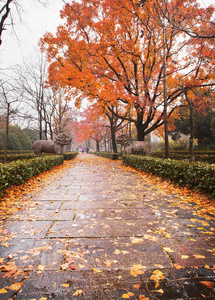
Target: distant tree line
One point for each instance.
(18, 139)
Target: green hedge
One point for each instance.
(16, 173)
(208, 157)
(15, 157)
(109, 155)
(197, 175)
(70, 155)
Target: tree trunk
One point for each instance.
(97, 146)
(7, 133)
(140, 132)
(192, 157)
(40, 125)
(113, 137)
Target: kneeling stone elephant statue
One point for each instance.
(138, 147)
(51, 146)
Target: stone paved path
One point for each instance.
(100, 232)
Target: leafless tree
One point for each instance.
(10, 106)
(8, 8)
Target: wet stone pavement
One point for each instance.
(99, 231)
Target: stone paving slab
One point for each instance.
(99, 231)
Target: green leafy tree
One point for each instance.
(204, 123)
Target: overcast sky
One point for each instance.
(35, 21)
(21, 41)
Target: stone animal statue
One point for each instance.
(138, 147)
(51, 146)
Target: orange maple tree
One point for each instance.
(112, 52)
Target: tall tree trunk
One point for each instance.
(113, 137)
(40, 125)
(166, 133)
(6, 133)
(139, 126)
(97, 146)
(140, 132)
(192, 157)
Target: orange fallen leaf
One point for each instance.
(142, 297)
(208, 284)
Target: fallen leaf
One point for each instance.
(168, 249)
(117, 251)
(142, 297)
(199, 256)
(96, 271)
(3, 291)
(178, 267)
(41, 268)
(160, 291)
(184, 256)
(208, 284)
(78, 292)
(157, 276)
(65, 284)
(15, 287)
(137, 270)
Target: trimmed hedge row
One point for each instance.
(70, 155)
(15, 157)
(109, 155)
(197, 175)
(208, 158)
(17, 172)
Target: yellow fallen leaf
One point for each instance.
(41, 268)
(157, 276)
(65, 284)
(160, 291)
(78, 292)
(124, 252)
(117, 251)
(137, 270)
(96, 270)
(184, 256)
(207, 267)
(125, 296)
(198, 256)
(137, 286)
(43, 298)
(15, 287)
(168, 249)
(137, 240)
(3, 291)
